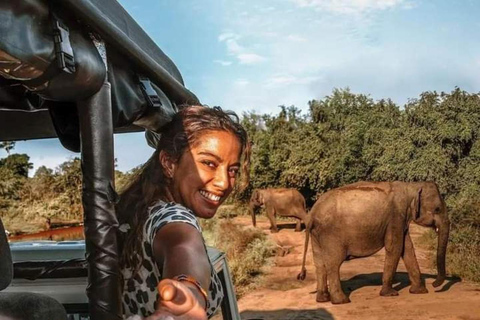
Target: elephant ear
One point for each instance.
(255, 196)
(416, 204)
(260, 197)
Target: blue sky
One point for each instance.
(258, 54)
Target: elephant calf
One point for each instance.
(359, 219)
(282, 202)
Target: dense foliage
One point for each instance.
(348, 137)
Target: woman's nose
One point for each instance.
(221, 179)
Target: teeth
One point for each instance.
(209, 195)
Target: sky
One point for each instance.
(255, 55)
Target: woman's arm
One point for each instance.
(178, 249)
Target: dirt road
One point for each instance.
(282, 296)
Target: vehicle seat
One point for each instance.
(22, 305)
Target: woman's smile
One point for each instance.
(210, 196)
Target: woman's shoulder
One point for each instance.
(164, 207)
(163, 212)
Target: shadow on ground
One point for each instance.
(401, 281)
(287, 225)
(318, 314)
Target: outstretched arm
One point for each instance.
(179, 250)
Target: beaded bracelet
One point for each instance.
(192, 280)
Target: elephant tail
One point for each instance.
(303, 273)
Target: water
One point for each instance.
(60, 234)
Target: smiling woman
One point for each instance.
(192, 171)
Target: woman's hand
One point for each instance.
(178, 301)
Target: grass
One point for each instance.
(247, 249)
(232, 210)
(31, 216)
(463, 258)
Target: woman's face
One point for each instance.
(206, 172)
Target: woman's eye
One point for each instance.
(210, 164)
(233, 172)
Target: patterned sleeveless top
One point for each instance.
(140, 294)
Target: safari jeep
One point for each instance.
(63, 276)
(81, 71)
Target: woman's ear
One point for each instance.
(168, 165)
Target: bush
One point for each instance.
(232, 210)
(247, 250)
(464, 252)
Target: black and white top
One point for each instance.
(140, 294)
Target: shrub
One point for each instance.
(464, 252)
(247, 249)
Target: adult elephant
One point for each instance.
(359, 219)
(283, 202)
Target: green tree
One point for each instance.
(68, 180)
(7, 145)
(13, 174)
(18, 163)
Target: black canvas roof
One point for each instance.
(22, 119)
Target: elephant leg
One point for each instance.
(333, 260)
(410, 260)
(322, 288)
(271, 217)
(393, 250)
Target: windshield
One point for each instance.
(41, 186)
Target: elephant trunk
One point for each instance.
(443, 232)
(252, 211)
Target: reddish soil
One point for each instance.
(281, 296)
(60, 234)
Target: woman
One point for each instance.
(191, 173)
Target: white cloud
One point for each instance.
(280, 80)
(233, 47)
(352, 6)
(366, 45)
(244, 55)
(250, 58)
(223, 62)
(242, 82)
(296, 38)
(227, 36)
(267, 9)
(268, 34)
